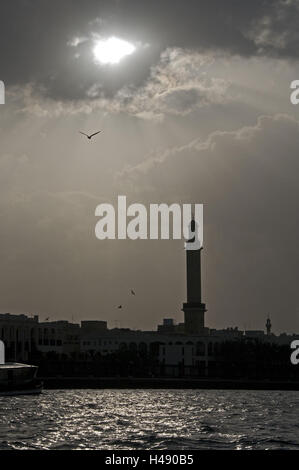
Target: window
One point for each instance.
(200, 348)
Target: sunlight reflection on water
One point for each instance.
(150, 419)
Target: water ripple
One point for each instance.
(150, 419)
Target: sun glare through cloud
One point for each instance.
(112, 50)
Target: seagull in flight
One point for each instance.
(132, 292)
(89, 136)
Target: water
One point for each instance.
(150, 419)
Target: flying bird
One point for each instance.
(132, 292)
(89, 136)
(120, 306)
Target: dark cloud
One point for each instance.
(35, 38)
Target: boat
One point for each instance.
(19, 379)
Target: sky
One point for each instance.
(200, 112)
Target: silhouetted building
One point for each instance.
(19, 334)
(169, 326)
(93, 326)
(59, 336)
(254, 333)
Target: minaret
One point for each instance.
(268, 326)
(194, 309)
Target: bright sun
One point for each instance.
(112, 50)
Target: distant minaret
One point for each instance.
(194, 309)
(268, 326)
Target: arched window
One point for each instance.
(154, 348)
(142, 348)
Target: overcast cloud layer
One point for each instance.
(49, 43)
